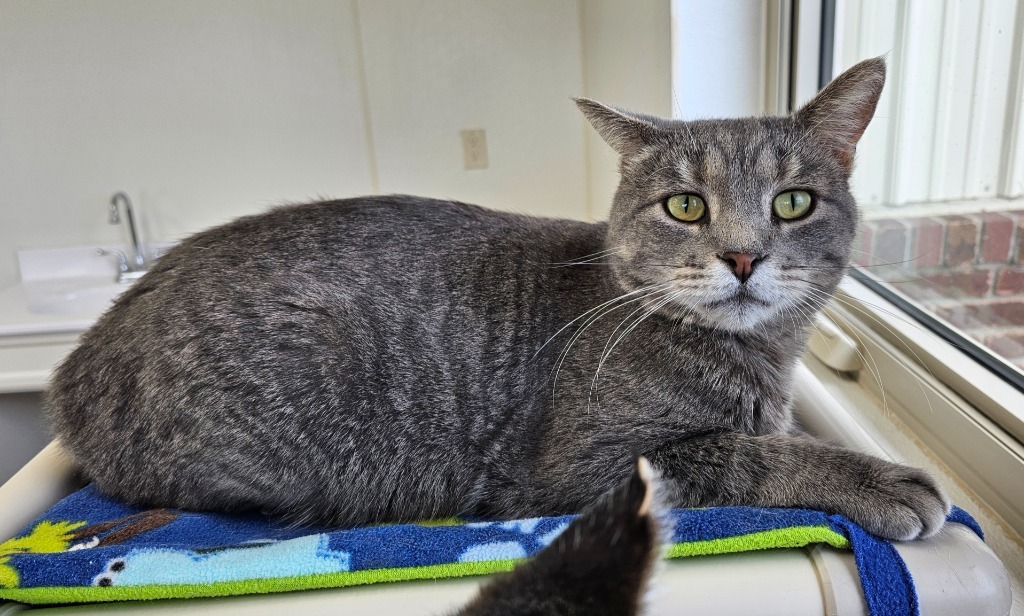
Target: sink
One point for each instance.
(86, 298)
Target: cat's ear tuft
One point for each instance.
(839, 113)
(625, 131)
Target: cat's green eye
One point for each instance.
(687, 208)
(792, 204)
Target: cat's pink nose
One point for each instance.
(742, 263)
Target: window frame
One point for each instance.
(955, 396)
(955, 406)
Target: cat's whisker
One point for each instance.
(810, 313)
(595, 308)
(599, 252)
(869, 361)
(860, 340)
(917, 358)
(896, 315)
(897, 264)
(594, 262)
(681, 266)
(606, 352)
(590, 321)
(860, 309)
(597, 263)
(850, 266)
(653, 289)
(594, 256)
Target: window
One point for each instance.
(940, 176)
(934, 308)
(940, 172)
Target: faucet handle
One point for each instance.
(122, 259)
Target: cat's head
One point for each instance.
(735, 223)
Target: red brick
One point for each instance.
(954, 284)
(961, 240)
(958, 316)
(861, 254)
(890, 243)
(1008, 345)
(1010, 312)
(928, 237)
(985, 313)
(996, 237)
(1010, 281)
(1019, 249)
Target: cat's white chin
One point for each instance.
(738, 318)
(740, 313)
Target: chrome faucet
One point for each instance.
(134, 269)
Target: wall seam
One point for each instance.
(364, 91)
(588, 190)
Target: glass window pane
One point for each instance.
(967, 269)
(940, 170)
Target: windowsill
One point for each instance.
(942, 208)
(896, 408)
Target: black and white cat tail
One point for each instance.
(600, 565)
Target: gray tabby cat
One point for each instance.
(392, 358)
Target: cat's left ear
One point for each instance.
(627, 132)
(839, 114)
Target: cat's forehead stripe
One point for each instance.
(766, 164)
(791, 170)
(713, 165)
(684, 168)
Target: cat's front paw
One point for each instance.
(896, 502)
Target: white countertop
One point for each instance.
(40, 322)
(18, 318)
(62, 293)
(63, 290)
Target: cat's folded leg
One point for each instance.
(729, 468)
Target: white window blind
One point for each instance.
(949, 126)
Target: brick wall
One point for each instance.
(967, 269)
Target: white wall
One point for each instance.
(627, 58)
(23, 432)
(718, 60)
(204, 110)
(436, 68)
(201, 110)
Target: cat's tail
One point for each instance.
(600, 565)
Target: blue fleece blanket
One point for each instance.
(89, 548)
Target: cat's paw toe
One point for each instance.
(900, 503)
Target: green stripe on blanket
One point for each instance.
(792, 537)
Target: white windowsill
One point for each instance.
(898, 408)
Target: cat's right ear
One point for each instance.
(839, 113)
(625, 131)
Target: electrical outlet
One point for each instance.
(474, 148)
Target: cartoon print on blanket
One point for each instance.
(300, 556)
(45, 537)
